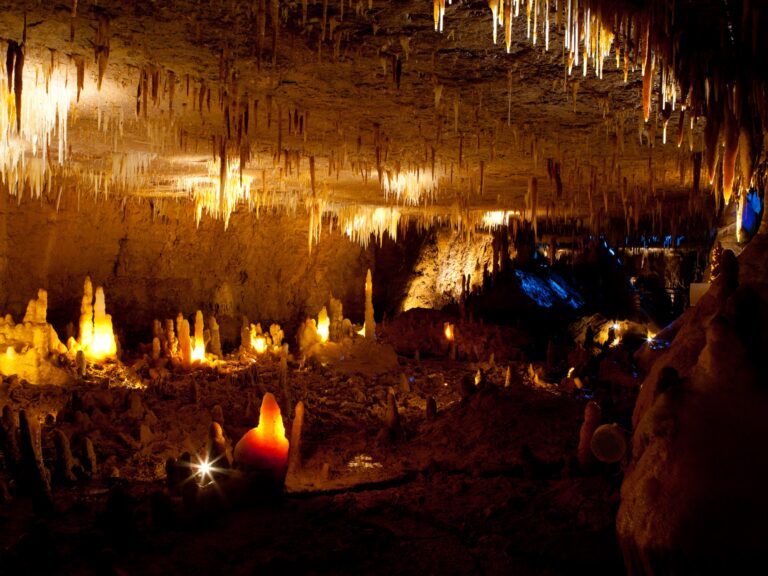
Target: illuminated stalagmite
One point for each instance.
(96, 338)
(370, 323)
(26, 347)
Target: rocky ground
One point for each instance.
(488, 484)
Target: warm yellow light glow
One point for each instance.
(410, 188)
(323, 325)
(448, 331)
(570, 372)
(259, 344)
(208, 195)
(495, 218)
(361, 332)
(198, 352)
(24, 154)
(650, 336)
(97, 340)
(361, 222)
(198, 340)
(103, 344)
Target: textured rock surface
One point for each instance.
(693, 497)
(260, 268)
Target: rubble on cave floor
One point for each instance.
(486, 482)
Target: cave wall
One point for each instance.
(154, 262)
(445, 258)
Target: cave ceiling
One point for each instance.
(335, 109)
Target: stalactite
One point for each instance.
(101, 46)
(275, 14)
(731, 137)
(746, 158)
(18, 81)
(711, 134)
(80, 66)
(370, 324)
(648, 66)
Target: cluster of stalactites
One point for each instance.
(714, 73)
(537, 16)
(220, 192)
(360, 223)
(718, 81)
(34, 111)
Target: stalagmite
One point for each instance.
(294, 454)
(80, 364)
(592, 418)
(215, 345)
(219, 452)
(9, 442)
(284, 367)
(88, 457)
(34, 476)
(96, 337)
(171, 343)
(323, 324)
(336, 319)
(86, 315)
(185, 344)
(198, 343)
(431, 408)
(370, 324)
(392, 426)
(104, 344)
(65, 462)
(263, 451)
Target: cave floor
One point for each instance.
(488, 486)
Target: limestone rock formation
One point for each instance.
(693, 498)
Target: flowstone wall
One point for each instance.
(154, 262)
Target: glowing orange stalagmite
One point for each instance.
(264, 449)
